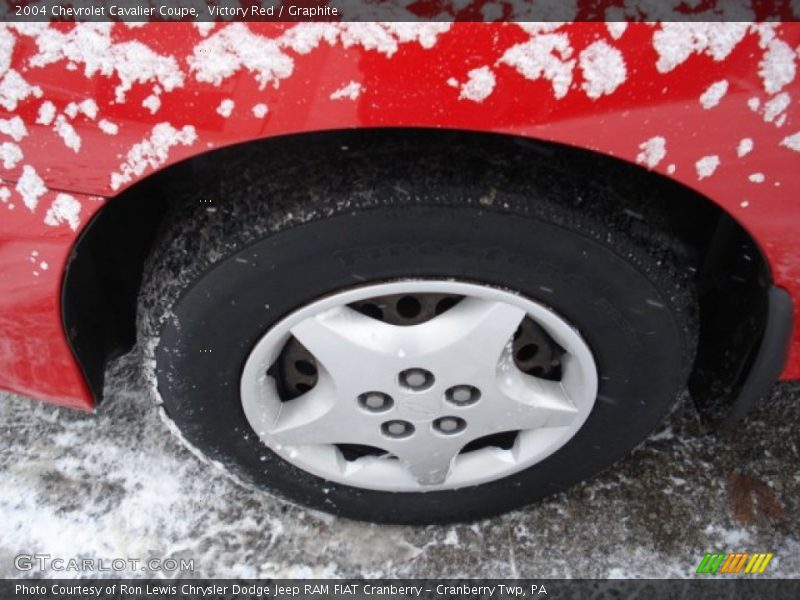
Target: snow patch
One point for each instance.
(387, 37)
(775, 107)
(675, 42)
(31, 187)
(714, 93)
(603, 69)
(652, 152)
(152, 103)
(616, 28)
(777, 68)
(46, 114)
(7, 42)
(204, 28)
(351, 91)
(235, 47)
(67, 133)
(152, 152)
(792, 141)
(225, 108)
(479, 85)
(14, 89)
(706, 166)
(745, 147)
(91, 45)
(545, 56)
(14, 128)
(108, 127)
(88, 108)
(10, 154)
(64, 209)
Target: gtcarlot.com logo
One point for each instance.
(734, 563)
(47, 562)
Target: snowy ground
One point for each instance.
(119, 484)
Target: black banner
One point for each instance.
(707, 588)
(397, 10)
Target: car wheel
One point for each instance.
(424, 358)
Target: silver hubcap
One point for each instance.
(424, 404)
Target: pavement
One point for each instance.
(120, 484)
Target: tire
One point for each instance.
(270, 249)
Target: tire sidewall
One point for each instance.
(627, 317)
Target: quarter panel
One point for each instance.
(641, 93)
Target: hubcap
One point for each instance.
(458, 384)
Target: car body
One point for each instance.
(92, 110)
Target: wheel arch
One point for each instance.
(100, 286)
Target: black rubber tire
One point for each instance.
(259, 258)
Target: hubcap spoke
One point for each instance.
(429, 460)
(479, 329)
(313, 418)
(345, 341)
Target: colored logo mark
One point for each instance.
(734, 563)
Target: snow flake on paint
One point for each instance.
(13, 128)
(225, 108)
(714, 94)
(7, 43)
(792, 142)
(652, 151)
(745, 147)
(603, 69)
(64, 209)
(777, 68)
(152, 103)
(675, 42)
(756, 177)
(615, 28)
(46, 114)
(235, 47)
(108, 127)
(706, 166)
(67, 133)
(31, 187)
(204, 27)
(775, 107)
(88, 108)
(90, 45)
(10, 154)
(152, 152)
(14, 89)
(479, 85)
(351, 91)
(387, 37)
(260, 111)
(547, 56)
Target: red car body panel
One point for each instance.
(682, 99)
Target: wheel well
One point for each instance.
(103, 278)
